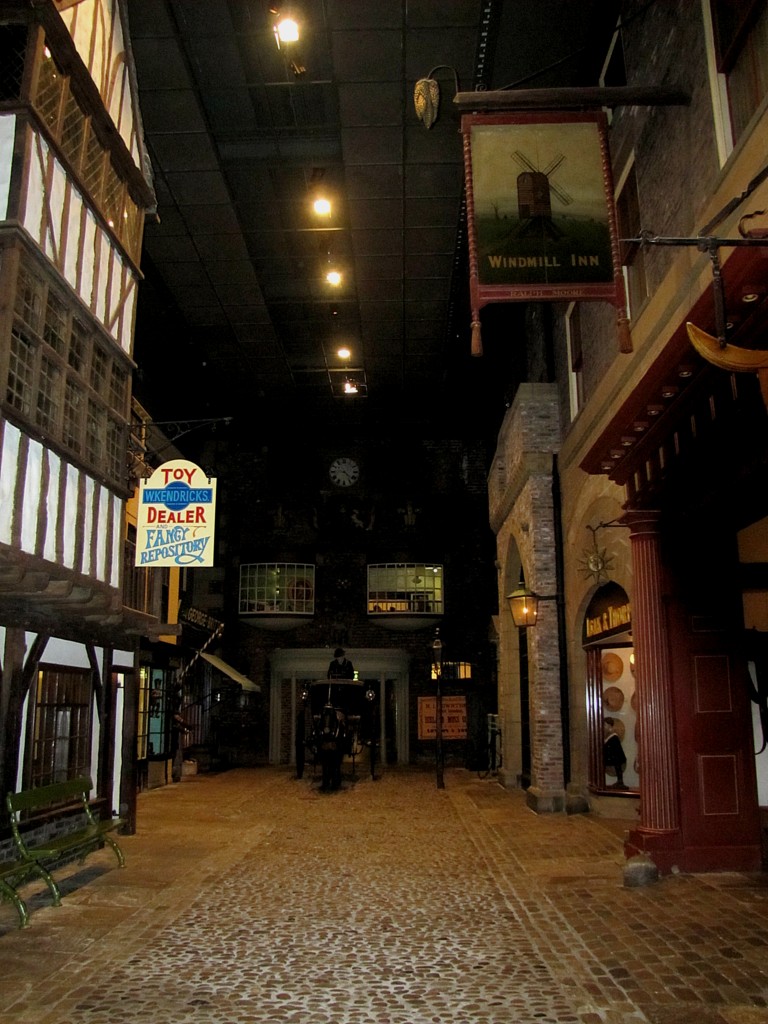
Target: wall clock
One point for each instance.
(344, 472)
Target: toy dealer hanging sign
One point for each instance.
(176, 517)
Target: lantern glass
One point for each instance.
(524, 605)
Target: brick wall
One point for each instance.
(521, 507)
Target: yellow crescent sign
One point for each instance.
(727, 357)
(731, 357)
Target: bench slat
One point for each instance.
(46, 796)
(70, 840)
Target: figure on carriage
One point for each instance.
(334, 722)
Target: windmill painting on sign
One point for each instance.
(540, 212)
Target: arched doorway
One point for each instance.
(611, 693)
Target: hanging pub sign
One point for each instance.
(540, 212)
(609, 613)
(176, 517)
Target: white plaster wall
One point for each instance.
(9, 458)
(7, 135)
(80, 249)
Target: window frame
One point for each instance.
(46, 381)
(575, 359)
(730, 49)
(277, 588)
(629, 225)
(63, 696)
(405, 588)
(54, 98)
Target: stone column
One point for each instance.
(659, 802)
(546, 794)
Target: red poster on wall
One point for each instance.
(540, 210)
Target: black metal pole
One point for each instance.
(562, 647)
(439, 727)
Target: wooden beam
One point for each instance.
(570, 98)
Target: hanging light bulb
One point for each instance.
(286, 30)
(333, 277)
(322, 206)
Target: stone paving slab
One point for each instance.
(251, 897)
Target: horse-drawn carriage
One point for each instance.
(335, 724)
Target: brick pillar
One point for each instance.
(659, 802)
(547, 790)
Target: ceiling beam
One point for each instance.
(570, 98)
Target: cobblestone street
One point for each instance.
(252, 897)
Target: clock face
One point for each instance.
(344, 472)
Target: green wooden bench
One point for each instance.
(66, 803)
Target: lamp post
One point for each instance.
(437, 661)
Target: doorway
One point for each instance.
(384, 671)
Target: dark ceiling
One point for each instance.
(235, 316)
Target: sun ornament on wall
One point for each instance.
(595, 562)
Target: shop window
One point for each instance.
(138, 581)
(629, 228)
(612, 712)
(73, 130)
(158, 722)
(20, 374)
(48, 395)
(62, 377)
(614, 71)
(405, 588)
(61, 729)
(73, 417)
(575, 359)
(13, 46)
(741, 47)
(277, 588)
(142, 730)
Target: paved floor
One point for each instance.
(251, 897)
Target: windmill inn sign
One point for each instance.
(540, 211)
(176, 517)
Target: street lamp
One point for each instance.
(524, 605)
(437, 662)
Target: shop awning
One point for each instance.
(238, 677)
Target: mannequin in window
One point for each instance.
(341, 667)
(613, 752)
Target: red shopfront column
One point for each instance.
(658, 833)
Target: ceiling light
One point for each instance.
(750, 296)
(343, 353)
(322, 207)
(685, 372)
(286, 30)
(668, 391)
(333, 277)
(350, 387)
